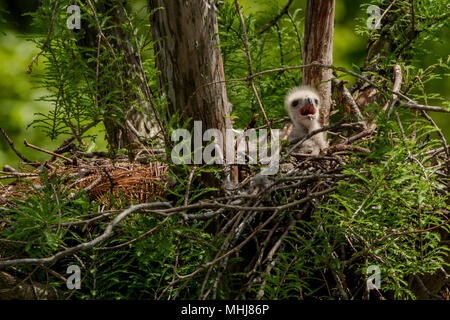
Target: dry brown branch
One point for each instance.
(398, 80)
(46, 151)
(423, 107)
(13, 148)
(347, 96)
(11, 175)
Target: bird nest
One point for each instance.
(101, 178)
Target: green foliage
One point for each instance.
(139, 271)
(88, 79)
(39, 212)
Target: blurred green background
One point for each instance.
(19, 91)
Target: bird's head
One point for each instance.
(303, 105)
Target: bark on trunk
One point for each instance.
(189, 57)
(319, 31)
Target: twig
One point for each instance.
(349, 100)
(10, 175)
(445, 145)
(99, 29)
(88, 221)
(423, 107)
(398, 80)
(274, 21)
(402, 131)
(382, 16)
(285, 119)
(297, 32)
(136, 133)
(204, 205)
(280, 43)
(424, 288)
(46, 151)
(142, 236)
(188, 187)
(361, 135)
(410, 103)
(11, 144)
(346, 147)
(413, 22)
(80, 133)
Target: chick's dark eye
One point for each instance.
(316, 101)
(295, 103)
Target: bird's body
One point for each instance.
(303, 106)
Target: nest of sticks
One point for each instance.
(137, 181)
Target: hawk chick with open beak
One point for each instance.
(303, 106)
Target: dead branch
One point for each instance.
(349, 100)
(46, 151)
(13, 148)
(422, 107)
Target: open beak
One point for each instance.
(308, 110)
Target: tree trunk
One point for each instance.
(188, 55)
(319, 31)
